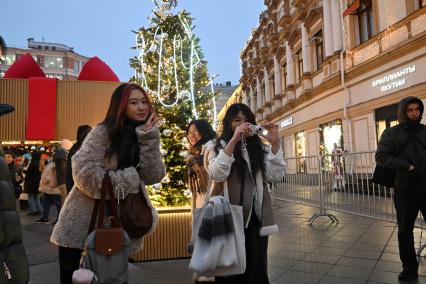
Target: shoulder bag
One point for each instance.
(107, 248)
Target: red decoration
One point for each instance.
(24, 68)
(41, 120)
(97, 70)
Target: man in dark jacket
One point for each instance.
(32, 182)
(13, 259)
(15, 173)
(403, 149)
(82, 132)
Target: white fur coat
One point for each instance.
(89, 166)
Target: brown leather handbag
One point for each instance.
(136, 215)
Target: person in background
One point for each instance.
(32, 182)
(402, 148)
(16, 177)
(240, 158)
(82, 132)
(198, 133)
(52, 184)
(13, 258)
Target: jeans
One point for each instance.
(69, 261)
(34, 203)
(49, 198)
(408, 203)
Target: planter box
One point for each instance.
(170, 239)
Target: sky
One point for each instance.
(103, 28)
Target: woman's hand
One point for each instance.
(241, 130)
(152, 120)
(272, 135)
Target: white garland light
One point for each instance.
(157, 43)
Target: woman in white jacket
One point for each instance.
(239, 158)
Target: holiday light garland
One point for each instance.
(178, 43)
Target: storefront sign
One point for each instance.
(393, 80)
(286, 122)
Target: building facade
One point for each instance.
(332, 71)
(55, 59)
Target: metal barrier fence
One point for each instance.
(340, 182)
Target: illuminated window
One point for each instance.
(300, 143)
(385, 118)
(53, 62)
(10, 59)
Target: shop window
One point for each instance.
(319, 50)
(300, 139)
(331, 134)
(364, 18)
(385, 117)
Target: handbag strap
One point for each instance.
(99, 206)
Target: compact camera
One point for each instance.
(257, 129)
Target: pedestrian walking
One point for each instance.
(52, 184)
(32, 182)
(126, 146)
(82, 132)
(402, 148)
(13, 259)
(240, 158)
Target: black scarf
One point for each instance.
(128, 150)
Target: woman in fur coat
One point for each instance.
(127, 145)
(239, 158)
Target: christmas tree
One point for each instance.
(171, 68)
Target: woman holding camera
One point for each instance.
(239, 158)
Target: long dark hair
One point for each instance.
(206, 131)
(254, 144)
(116, 115)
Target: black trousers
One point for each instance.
(69, 261)
(408, 203)
(256, 258)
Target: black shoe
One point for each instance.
(408, 275)
(42, 220)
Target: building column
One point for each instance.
(244, 97)
(290, 65)
(252, 100)
(267, 89)
(328, 37)
(259, 93)
(336, 25)
(277, 77)
(305, 50)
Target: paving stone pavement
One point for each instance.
(356, 250)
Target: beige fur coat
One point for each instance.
(89, 166)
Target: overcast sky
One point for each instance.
(103, 28)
